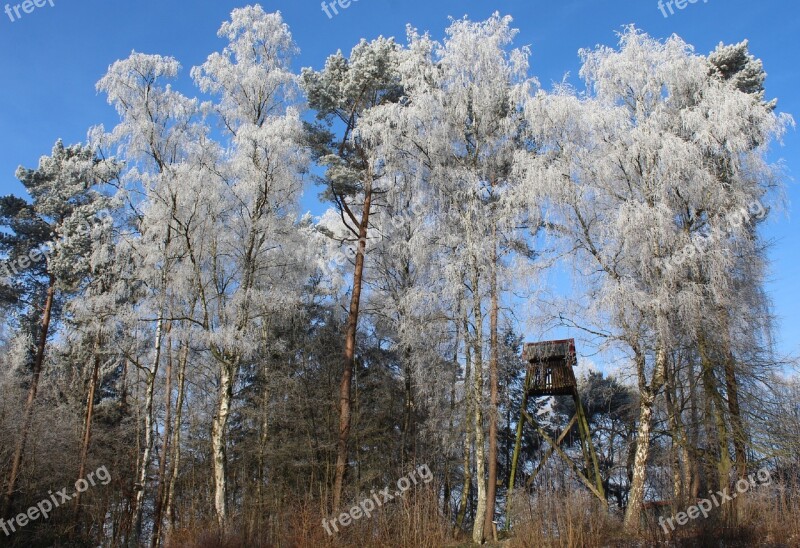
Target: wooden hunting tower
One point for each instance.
(550, 373)
(550, 366)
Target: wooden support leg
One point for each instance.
(578, 472)
(517, 448)
(592, 463)
(551, 450)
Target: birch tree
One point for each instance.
(626, 169)
(262, 181)
(157, 126)
(460, 119)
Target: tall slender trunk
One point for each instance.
(87, 421)
(636, 495)
(144, 463)
(123, 386)
(693, 436)
(739, 442)
(176, 439)
(478, 532)
(467, 485)
(407, 433)
(491, 493)
(688, 452)
(218, 443)
(734, 410)
(451, 420)
(679, 464)
(27, 414)
(162, 465)
(408, 444)
(350, 351)
(150, 379)
(715, 400)
(263, 440)
(228, 361)
(647, 399)
(711, 451)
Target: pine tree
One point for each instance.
(47, 248)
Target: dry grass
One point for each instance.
(770, 517)
(571, 520)
(411, 522)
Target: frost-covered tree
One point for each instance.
(458, 128)
(627, 170)
(47, 244)
(200, 335)
(253, 249)
(341, 94)
(157, 134)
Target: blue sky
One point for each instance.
(51, 59)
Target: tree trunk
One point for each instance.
(448, 480)
(679, 442)
(647, 399)
(467, 485)
(176, 439)
(162, 466)
(693, 435)
(714, 398)
(480, 456)
(493, 390)
(218, 449)
(87, 421)
(739, 441)
(407, 433)
(141, 478)
(734, 410)
(263, 441)
(151, 375)
(349, 353)
(27, 414)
